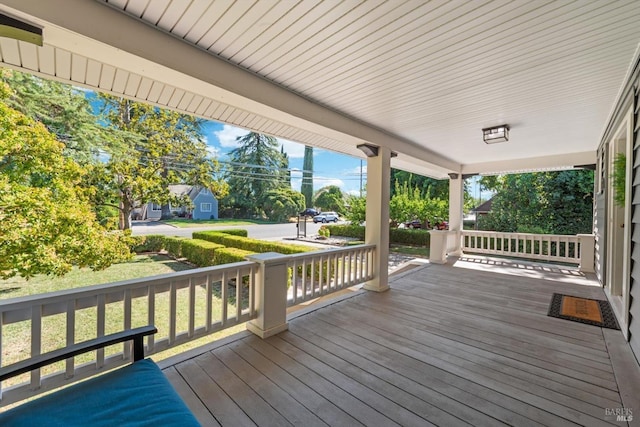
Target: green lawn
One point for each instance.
(418, 251)
(139, 266)
(17, 336)
(189, 223)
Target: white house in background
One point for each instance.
(205, 205)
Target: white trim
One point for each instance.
(618, 283)
(533, 164)
(209, 209)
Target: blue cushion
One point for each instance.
(136, 395)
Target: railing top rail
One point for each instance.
(484, 232)
(329, 251)
(87, 291)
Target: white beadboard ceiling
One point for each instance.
(422, 77)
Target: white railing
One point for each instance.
(183, 306)
(547, 247)
(311, 275)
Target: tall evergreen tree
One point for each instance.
(307, 176)
(284, 168)
(255, 169)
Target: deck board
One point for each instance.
(445, 346)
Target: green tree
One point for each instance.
(329, 198)
(409, 203)
(282, 203)
(356, 209)
(46, 222)
(436, 188)
(155, 148)
(543, 202)
(254, 171)
(64, 110)
(307, 176)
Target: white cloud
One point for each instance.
(228, 134)
(321, 181)
(293, 149)
(213, 151)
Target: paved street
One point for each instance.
(261, 231)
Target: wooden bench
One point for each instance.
(135, 395)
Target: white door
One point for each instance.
(618, 259)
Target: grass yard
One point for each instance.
(190, 223)
(418, 251)
(17, 336)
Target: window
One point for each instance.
(205, 207)
(156, 207)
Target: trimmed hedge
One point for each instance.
(148, 243)
(396, 235)
(252, 245)
(410, 237)
(229, 255)
(355, 231)
(200, 252)
(173, 245)
(235, 231)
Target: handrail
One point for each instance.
(196, 303)
(316, 274)
(548, 247)
(136, 335)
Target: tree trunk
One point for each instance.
(125, 216)
(166, 212)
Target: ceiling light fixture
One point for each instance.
(370, 150)
(495, 134)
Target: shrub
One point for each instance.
(396, 235)
(324, 232)
(200, 252)
(149, 243)
(252, 245)
(229, 255)
(235, 232)
(356, 231)
(173, 245)
(409, 237)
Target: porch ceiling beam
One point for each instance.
(564, 161)
(96, 30)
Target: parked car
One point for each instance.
(414, 223)
(326, 217)
(309, 212)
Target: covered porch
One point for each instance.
(464, 343)
(417, 83)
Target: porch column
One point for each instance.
(377, 229)
(456, 207)
(271, 294)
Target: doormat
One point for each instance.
(583, 310)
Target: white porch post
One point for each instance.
(377, 229)
(271, 294)
(456, 207)
(587, 252)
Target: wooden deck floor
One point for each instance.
(445, 346)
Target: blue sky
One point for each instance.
(329, 168)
